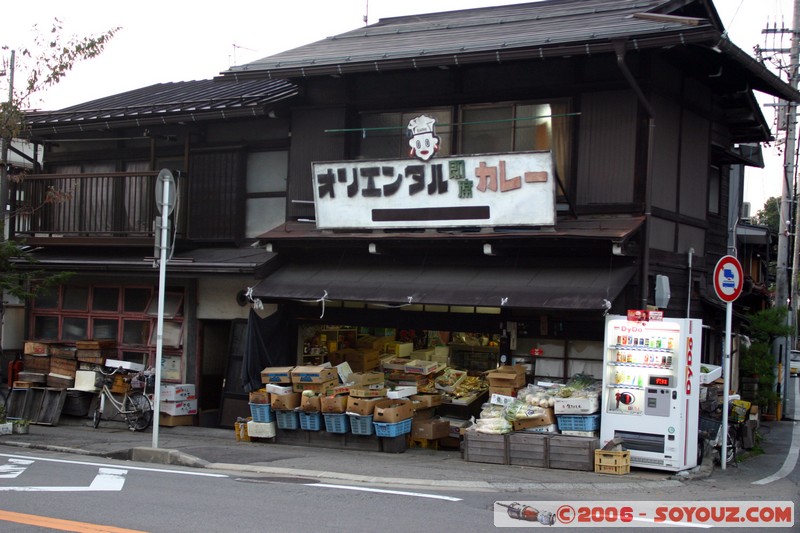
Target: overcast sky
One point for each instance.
(168, 41)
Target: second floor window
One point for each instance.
(485, 128)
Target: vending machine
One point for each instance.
(651, 394)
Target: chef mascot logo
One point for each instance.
(423, 142)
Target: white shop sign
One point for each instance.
(485, 190)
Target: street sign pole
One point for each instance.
(165, 204)
(728, 278)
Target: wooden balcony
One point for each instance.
(110, 209)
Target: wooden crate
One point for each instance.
(102, 344)
(572, 453)
(528, 449)
(485, 448)
(609, 462)
(63, 367)
(63, 351)
(36, 363)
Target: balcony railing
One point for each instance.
(112, 208)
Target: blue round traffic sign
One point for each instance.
(728, 278)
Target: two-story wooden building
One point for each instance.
(643, 107)
(510, 172)
(92, 210)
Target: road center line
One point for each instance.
(385, 491)
(59, 524)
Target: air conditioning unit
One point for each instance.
(745, 211)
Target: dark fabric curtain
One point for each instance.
(267, 344)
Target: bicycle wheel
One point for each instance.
(730, 452)
(138, 411)
(96, 418)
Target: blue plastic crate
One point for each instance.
(261, 412)
(578, 422)
(361, 425)
(336, 422)
(386, 429)
(287, 419)
(310, 421)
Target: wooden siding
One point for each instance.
(216, 196)
(694, 166)
(662, 234)
(607, 148)
(666, 153)
(310, 143)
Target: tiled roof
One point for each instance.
(164, 103)
(549, 28)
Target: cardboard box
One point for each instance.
(416, 366)
(277, 374)
(423, 355)
(326, 387)
(392, 411)
(402, 392)
(450, 379)
(314, 374)
(362, 406)
(367, 393)
(362, 380)
(186, 407)
(259, 396)
(503, 391)
(310, 404)
(546, 418)
(279, 389)
(427, 400)
(175, 420)
(373, 342)
(577, 406)
(400, 349)
(174, 393)
(364, 360)
(285, 402)
(333, 404)
(507, 376)
(441, 354)
(434, 428)
(422, 413)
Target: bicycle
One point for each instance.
(709, 429)
(134, 406)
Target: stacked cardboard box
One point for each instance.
(506, 380)
(278, 380)
(178, 400)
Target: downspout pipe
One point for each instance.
(620, 49)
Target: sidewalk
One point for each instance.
(216, 448)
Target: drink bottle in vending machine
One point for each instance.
(651, 389)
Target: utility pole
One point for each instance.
(4, 161)
(785, 285)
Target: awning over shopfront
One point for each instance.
(552, 287)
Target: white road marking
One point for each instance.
(791, 457)
(140, 468)
(13, 468)
(106, 480)
(385, 491)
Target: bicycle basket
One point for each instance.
(710, 426)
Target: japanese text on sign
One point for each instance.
(484, 190)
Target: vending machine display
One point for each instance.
(650, 389)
